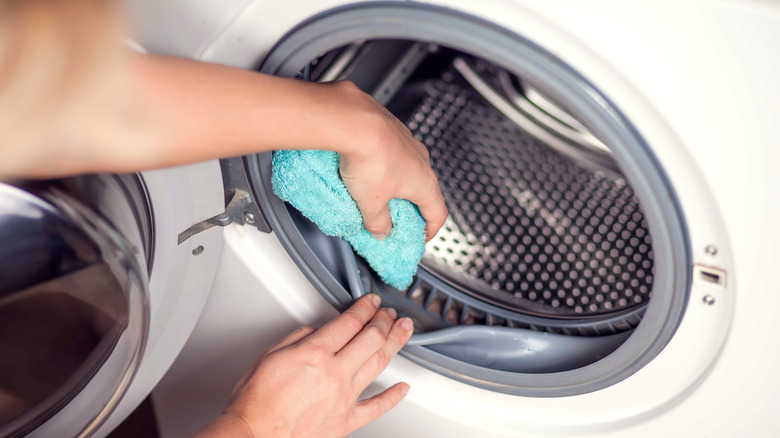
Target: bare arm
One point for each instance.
(177, 111)
(194, 111)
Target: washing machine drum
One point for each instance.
(73, 303)
(562, 247)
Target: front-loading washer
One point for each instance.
(610, 171)
(98, 296)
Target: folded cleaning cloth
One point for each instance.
(310, 181)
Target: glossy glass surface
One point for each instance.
(69, 290)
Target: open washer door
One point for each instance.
(97, 294)
(74, 303)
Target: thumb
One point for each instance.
(376, 219)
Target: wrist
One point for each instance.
(355, 121)
(228, 425)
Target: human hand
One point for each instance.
(307, 384)
(386, 162)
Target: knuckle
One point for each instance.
(272, 361)
(423, 151)
(346, 85)
(435, 221)
(379, 407)
(302, 331)
(375, 209)
(376, 335)
(352, 321)
(379, 222)
(266, 352)
(432, 184)
(376, 227)
(381, 360)
(316, 355)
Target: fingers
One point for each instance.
(370, 409)
(397, 337)
(434, 214)
(376, 218)
(429, 200)
(431, 204)
(369, 340)
(378, 222)
(294, 337)
(338, 332)
(373, 206)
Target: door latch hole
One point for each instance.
(709, 276)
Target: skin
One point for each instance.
(308, 384)
(176, 111)
(158, 111)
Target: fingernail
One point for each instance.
(406, 323)
(405, 389)
(390, 311)
(379, 236)
(376, 299)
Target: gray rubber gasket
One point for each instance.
(404, 20)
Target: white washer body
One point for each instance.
(180, 281)
(697, 79)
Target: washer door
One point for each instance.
(74, 307)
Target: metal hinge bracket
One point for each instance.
(241, 209)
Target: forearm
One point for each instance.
(196, 111)
(228, 426)
(150, 111)
(171, 111)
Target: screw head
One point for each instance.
(198, 250)
(249, 217)
(710, 250)
(708, 300)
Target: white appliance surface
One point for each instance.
(698, 79)
(180, 281)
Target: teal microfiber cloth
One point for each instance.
(310, 181)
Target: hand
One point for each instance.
(386, 162)
(174, 111)
(307, 385)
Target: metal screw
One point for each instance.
(708, 300)
(710, 250)
(198, 250)
(249, 217)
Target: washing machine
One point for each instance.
(96, 296)
(607, 268)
